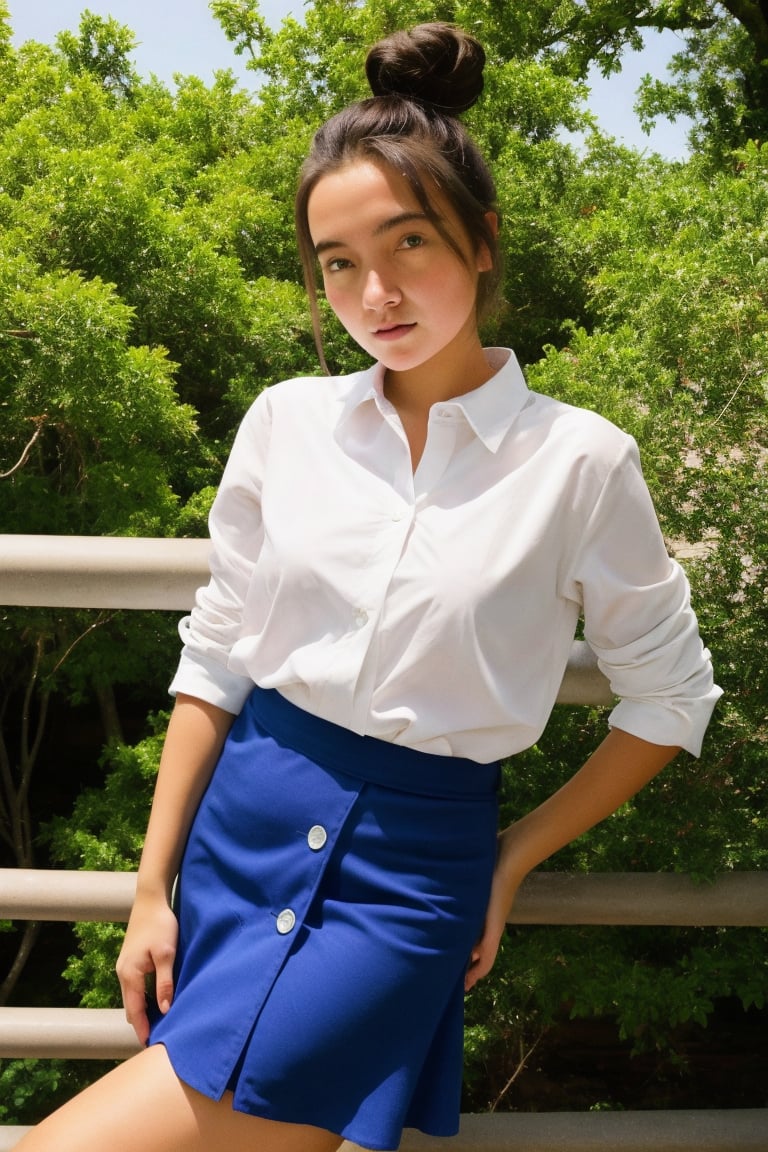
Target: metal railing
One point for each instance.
(98, 572)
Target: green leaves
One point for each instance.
(107, 413)
(102, 48)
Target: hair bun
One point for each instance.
(436, 64)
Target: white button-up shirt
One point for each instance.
(437, 609)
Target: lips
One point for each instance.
(393, 331)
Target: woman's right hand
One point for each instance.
(193, 743)
(149, 949)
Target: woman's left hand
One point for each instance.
(483, 955)
(615, 771)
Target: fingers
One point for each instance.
(479, 966)
(149, 950)
(163, 961)
(133, 985)
(483, 955)
(135, 1003)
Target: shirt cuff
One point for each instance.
(210, 681)
(665, 722)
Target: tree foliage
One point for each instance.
(719, 77)
(149, 288)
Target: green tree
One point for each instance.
(719, 77)
(717, 81)
(102, 49)
(87, 425)
(93, 438)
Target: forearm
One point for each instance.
(618, 769)
(196, 734)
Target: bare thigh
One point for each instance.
(142, 1106)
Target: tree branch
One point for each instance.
(23, 952)
(28, 751)
(7, 793)
(754, 19)
(523, 1061)
(40, 421)
(103, 618)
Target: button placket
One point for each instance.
(307, 875)
(272, 921)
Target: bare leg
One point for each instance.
(142, 1106)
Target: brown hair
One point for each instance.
(421, 81)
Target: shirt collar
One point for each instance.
(490, 410)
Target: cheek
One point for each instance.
(336, 297)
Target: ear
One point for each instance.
(484, 258)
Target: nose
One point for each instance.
(379, 291)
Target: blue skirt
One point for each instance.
(330, 893)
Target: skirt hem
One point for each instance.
(346, 1132)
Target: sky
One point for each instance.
(182, 36)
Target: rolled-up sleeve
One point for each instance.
(638, 617)
(236, 531)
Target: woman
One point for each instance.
(400, 559)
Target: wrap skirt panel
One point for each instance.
(330, 893)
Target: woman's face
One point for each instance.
(397, 286)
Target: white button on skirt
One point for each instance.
(330, 893)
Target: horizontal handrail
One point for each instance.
(734, 899)
(66, 1034)
(44, 894)
(101, 571)
(662, 1131)
(138, 572)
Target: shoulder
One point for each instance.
(582, 428)
(580, 459)
(305, 397)
(302, 404)
(578, 441)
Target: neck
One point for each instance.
(414, 392)
(417, 389)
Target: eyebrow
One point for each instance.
(380, 229)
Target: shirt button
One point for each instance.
(316, 837)
(397, 515)
(361, 618)
(286, 921)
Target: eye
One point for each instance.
(337, 264)
(412, 241)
